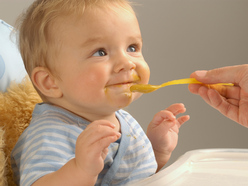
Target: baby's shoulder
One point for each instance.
(50, 115)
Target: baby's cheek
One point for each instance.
(144, 74)
(95, 81)
(136, 95)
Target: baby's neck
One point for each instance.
(117, 124)
(111, 118)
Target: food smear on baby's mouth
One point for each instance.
(119, 94)
(135, 77)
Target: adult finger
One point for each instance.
(225, 91)
(231, 74)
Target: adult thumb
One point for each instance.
(238, 75)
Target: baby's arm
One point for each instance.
(91, 150)
(163, 132)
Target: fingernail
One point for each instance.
(112, 125)
(182, 104)
(201, 73)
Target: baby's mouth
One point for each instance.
(125, 85)
(120, 86)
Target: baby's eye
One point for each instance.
(100, 52)
(131, 48)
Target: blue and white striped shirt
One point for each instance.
(49, 142)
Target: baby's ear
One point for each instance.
(45, 82)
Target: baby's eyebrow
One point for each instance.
(136, 38)
(92, 40)
(99, 39)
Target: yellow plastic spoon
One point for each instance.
(147, 88)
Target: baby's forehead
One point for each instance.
(70, 8)
(71, 19)
(70, 22)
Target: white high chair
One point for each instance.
(215, 167)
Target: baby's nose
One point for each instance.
(124, 64)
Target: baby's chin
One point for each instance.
(120, 96)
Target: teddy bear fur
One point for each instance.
(16, 107)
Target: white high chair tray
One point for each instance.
(204, 167)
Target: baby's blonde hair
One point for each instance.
(35, 39)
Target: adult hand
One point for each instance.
(231, 101)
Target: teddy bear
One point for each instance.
(16, 107)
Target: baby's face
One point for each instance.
(99, 59)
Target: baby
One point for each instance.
(82, 57)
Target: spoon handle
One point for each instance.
(181, 81)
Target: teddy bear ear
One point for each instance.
(45, 82)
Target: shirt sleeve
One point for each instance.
(43, 150)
